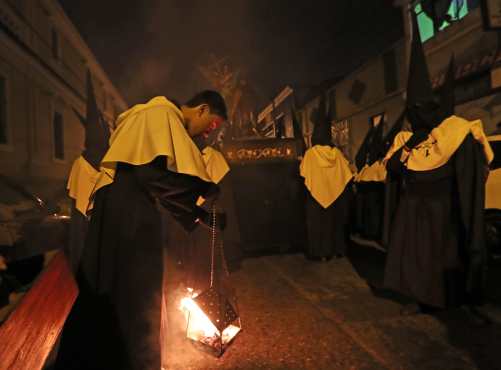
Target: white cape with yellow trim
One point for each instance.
(81, 182)
(326, 173)
(442, 143)
(147, 131)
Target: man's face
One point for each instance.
(198, 119)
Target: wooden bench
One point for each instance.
(31, 331)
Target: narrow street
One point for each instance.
(298, 314)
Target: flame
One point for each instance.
(199, 324)
(200, 328)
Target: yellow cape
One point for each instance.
(441, 144)
(493, 190)
(215, 165)
(374, 172)
(147, 131)
(81, 182)
(326, 173)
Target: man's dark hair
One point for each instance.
(213, 99)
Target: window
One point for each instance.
(55, 43)
(4, 137)
(390, 72)
(58, 131)
(458, 9)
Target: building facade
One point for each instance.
(375, 92)
(43, 67)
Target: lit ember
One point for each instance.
(199, 326)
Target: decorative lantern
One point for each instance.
(212, 320)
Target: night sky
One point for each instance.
(152, 47)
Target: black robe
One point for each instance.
(436, 252)
(369, 209)
(328, 228)
(115, 322)
(77, 234)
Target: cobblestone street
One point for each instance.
(302, 315)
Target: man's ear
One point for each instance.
(202, 109)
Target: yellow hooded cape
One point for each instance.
(441, 144)
(326, 173)
(147, 131)
(374, 172)
(81, 182)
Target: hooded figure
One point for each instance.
(152, 163)
(327, 175)
(84, 173)
(436, 252)
(369, 185)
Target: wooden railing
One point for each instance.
(29, 334)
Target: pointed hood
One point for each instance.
(363, 151)
(392, 133)
(322, 134)
(419, 88)
(447, 97)
(97, 132)
(298, 132)
(422, 107)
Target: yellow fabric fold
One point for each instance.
(374, 172)
(326, 173)
(441, 144)
(215, 165)
(493, 190)
(81, 182)
(493, 185)
(147, 131)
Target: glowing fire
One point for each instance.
(200, 328)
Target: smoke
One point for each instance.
(179, 37)
(155, 47)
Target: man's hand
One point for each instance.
(206, 220)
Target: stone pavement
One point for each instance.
(298, 314)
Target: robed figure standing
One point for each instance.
(151, 163)
(84, 174)
(327, 177)
(436, 253)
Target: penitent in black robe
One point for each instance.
(115, 322)
(436, 251)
